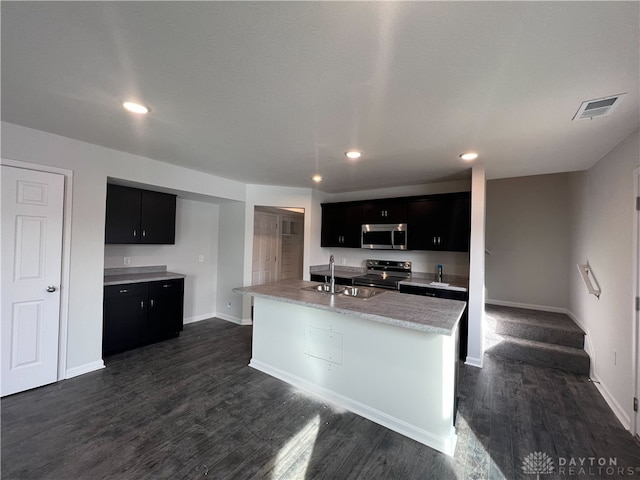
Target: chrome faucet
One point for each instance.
(332, 271)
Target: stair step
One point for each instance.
(569, 359)
(540, 333)
(536, 325)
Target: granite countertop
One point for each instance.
(416, 312)
(121, 276)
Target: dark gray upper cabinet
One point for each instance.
(139, 216)
(341, 225)
(440, 222)
(384, 211)
(434, 222)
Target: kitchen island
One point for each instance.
(390, 358)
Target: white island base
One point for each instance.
(400, 378)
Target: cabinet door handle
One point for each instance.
(167, 285)
(124, 290)
(144, 233)
(151, 303)
(135, 233)
(142, 305)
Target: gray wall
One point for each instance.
(602, 233)
(527, 233)
(91, 166)
(231, 241)
(196, 234)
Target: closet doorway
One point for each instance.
(278, 244)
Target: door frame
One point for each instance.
(256, 210)
(635, 420)
(66, 254)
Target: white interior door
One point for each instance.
(265, 248)
(31, 264)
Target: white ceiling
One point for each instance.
(273, 92)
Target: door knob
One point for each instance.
(51, 289)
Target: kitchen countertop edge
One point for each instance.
(391, 307)
(110, 280)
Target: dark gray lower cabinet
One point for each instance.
(124, 317)
(141, 313)
(166, 301)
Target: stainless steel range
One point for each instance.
(384, 274)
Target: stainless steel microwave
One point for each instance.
(384, 236)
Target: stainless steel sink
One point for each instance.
(355, 292)
(361, 292)
(325, 288)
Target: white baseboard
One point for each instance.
(444, 445)
(615, 407)
(236, 320)
(529, 306)
(473, 362)
(82, 369)
(198, 318)
(613, 403)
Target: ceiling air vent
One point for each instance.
(598, 107)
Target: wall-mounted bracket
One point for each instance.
(589, 280)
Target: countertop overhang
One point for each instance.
(416, 312)
(122, 276)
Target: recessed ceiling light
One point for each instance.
(136, 107)
(316, 178)
(468, 156)
(353, 154)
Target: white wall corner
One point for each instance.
(82, 369)
(199, 318)
(233, 319)
(475, 341)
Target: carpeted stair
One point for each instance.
(546, 339)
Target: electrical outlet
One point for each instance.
(127, 260)
(201, 258)
(344, 260)
(229, 305)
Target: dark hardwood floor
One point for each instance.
(190, 408)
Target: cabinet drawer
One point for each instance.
(167, 285)
(126, 290)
